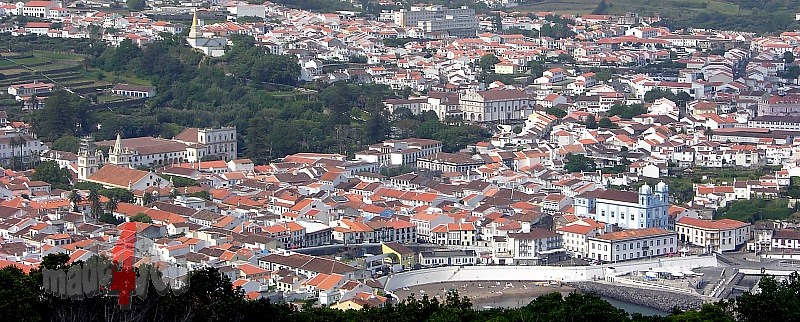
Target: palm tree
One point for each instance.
(14, 142)
(94, 198)
(75, 198)
(147, 198)
(111, 205)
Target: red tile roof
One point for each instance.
(721, 224)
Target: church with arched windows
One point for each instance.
(626, 209)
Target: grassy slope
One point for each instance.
(665, 8)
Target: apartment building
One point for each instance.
(394, 153)
(449, 162)
(209, 143)
(786, 239)
(632, 244)
(537, 247)
(459, 22)
(713, 235)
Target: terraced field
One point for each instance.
(63, 69)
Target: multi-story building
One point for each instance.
(144, 151)
(574, 238)
(714, 235)
(19, 146)
(632, 244)
(454, 234)
(780, 104)
(23, 91)
(317, 234)
(626, 209)
(399, 152)
(39, 9)
(496, 105)
(448, 257)
(536, 247)
(460, 22)
(209, 143)
(785, 123)
(449, 162)
(786, 239)
(425, 222)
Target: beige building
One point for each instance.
(449, 162)
(494, 105)
(456, 22)
(632, 244)
(214, 143)
(714, 235)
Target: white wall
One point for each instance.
(538, 273)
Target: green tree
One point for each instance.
(788, 57)
(50, 172)
(656, 93)
(94, 199)
(604, 74)
(627, 111)
(117, 194)
(141, 217)
(75, 198)
(591, 122)
(64, 113)
(557, 112)
(776, 300)
(20, 293)
(111, 205)
(579, 163)
(67, 143)
(606, 123)
(601, 9)
(136, 5)
(147, 198)
(110, 219)
(487, 63)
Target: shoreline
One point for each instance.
(513, 294)
(486, 294)
(659, 300)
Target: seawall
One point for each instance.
(656, 299)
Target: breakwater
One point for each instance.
(656, 299)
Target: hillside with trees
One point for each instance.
(248, 88)
(211, 297)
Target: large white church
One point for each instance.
(211, 46)
(626, 209)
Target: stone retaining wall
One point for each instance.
(659, 300)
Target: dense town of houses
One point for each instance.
(504, 201)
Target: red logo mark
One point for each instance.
(123, 277)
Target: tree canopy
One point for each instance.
(50, 172)
(627, 111)
(210, 296)
(579, 163)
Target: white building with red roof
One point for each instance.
(714, 235)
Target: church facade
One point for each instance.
(626, 209)
(210, 46)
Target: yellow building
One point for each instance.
(403, 254)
